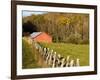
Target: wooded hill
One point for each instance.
(63, 27)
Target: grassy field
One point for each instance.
(28, 57)
(32, 59)
(74, 50)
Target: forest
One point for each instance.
(63, 27)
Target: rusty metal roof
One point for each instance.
(35, 34)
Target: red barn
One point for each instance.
(41, 37)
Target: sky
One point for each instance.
(29, 13)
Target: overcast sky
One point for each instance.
(29, 13)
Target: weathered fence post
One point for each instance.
(63, 62)
(77, 62)
(50, 58)
(54, 59)
(68, 57)
(71, 63)
(58, 60)
(47, 57)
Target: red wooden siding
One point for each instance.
(43, 37)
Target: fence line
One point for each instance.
(55, 60)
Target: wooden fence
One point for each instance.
(55, 60)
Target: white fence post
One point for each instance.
(77, 62)
(50, 58)
(68, 57)
(63, 62)
(71, 63)
(54, 59)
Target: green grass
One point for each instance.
(28, 57)
(74, 50)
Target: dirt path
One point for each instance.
(39, 59)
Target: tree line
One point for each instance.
(63, 27)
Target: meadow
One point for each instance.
(32, 59)
(75, 51)
(28, 59)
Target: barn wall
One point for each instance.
(43, 37)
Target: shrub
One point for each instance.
(74, 38)
(84, 41)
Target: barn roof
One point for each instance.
(35, 34)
